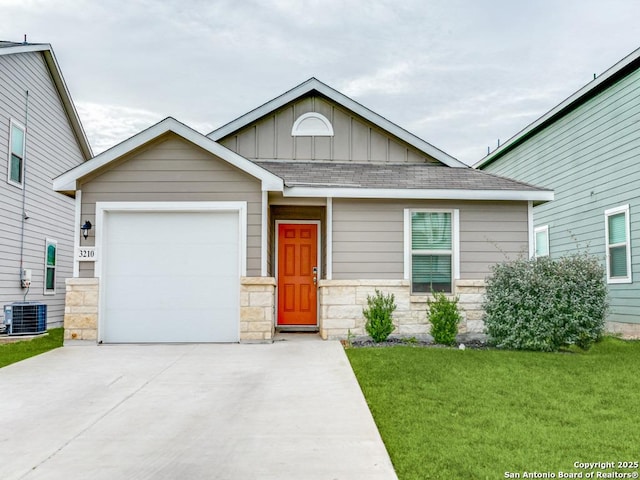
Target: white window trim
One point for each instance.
(325, 131)
(545, 229)
(455, 243)
(45, 290)
(12, 124)
(608, 213)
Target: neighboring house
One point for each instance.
(586, 149)
(40, 138)
(286, 218)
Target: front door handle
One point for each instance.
(315, 275)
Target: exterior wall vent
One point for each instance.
(312, 124)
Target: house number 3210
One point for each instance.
(86, 254)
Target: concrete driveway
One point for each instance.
(290, 410)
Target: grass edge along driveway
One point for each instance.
(17, 351)
(447, 413)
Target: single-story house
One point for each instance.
(283, 219)
(586, 149)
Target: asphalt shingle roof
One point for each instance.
(390, 176)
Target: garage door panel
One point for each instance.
(158, 325)
(166, 326)
(171, 277)
(166, 293)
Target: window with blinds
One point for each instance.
(431, 252)
(618, 245)
(16, 154)
(50, 264)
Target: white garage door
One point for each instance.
(170, 277)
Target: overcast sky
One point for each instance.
(460, 74)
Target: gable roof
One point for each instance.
(329, 179)
(316, 85)
(67, 182)
(620, 70)
(12, 48)
(409, 181)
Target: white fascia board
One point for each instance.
(61, 86)
(560, 107)
(29, 47)
(262, 110)
(517, 195)
(389, 126)
(67, 101)
(340, 99)
(67, 181)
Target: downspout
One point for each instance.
(23, 280)
(531, 233)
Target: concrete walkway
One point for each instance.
(290, 410)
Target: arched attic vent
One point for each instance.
(312, 124)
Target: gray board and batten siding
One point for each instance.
(173, 169)
(589, 156)
(355, 139)
(51, 149)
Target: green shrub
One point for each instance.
(543, 304)
(379, 322)
(444, 316)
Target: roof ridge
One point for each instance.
(349, 162)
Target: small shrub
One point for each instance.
(444, 316)
(544, 304)
(379, 322)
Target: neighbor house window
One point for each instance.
(50, 263)
(432, 251)
(16, 154)
(542, 241)
(618, 251)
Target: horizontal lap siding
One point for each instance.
(174, 170)
(52, 149)
(368, 236)
(590, 158)
(354, 138)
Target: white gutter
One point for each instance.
(517, 195)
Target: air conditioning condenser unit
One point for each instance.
(25, 318)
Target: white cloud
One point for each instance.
(458, 73)
(108, 125)
(389, 80)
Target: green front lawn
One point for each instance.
(14, 352)
(447, 413)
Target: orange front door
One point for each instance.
(297, 274)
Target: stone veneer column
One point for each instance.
(81, 309)
(257, 309)
(471, 294)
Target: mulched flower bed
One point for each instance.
(416, 342)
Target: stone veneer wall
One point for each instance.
(81, 309)
(257, 309)
(342, 302)
(257, 302)
(628, 331)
